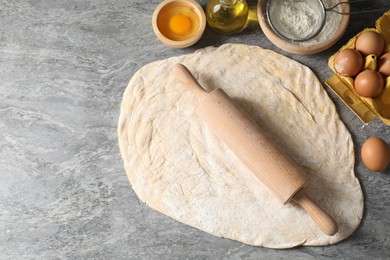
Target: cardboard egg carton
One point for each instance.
(365, 108)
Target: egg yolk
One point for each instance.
(180, 24)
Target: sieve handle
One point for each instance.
(357, 12)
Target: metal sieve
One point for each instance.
(303, 23)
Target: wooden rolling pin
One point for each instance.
(245, 138)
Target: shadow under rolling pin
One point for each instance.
(249, 143)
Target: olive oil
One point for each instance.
(227, 16)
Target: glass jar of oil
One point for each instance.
(227, 16)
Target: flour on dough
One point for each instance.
(177, 166)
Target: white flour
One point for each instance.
(299, 19)
(332, 23)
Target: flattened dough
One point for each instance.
(178, 167)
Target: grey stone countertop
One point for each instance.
(64, 194)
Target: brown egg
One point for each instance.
(369, 83)
(384, 64)
(375, 154)
(370, 42)
(348, 62)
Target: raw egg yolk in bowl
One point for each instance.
(179, 23)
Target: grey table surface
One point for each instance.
(64, 194)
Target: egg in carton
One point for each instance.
(366, 108)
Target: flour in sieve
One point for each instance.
(332, 23)
(298, 18)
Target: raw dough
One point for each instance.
(178, 167)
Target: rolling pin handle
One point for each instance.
(325, 222)
(185, 76)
